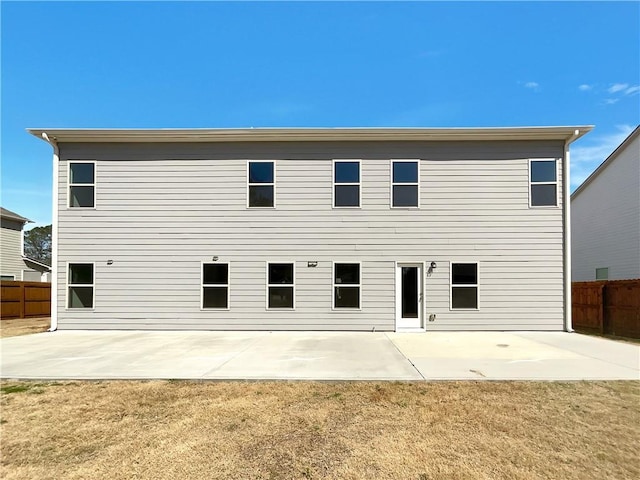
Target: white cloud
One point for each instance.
(584, 87)
(632, 90)
(533, 85)
(585, 159)
(617, 87)
(610, 101)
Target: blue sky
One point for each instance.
(303, 64)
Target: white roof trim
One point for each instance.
(310, 134)
(31, 260)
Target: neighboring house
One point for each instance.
(13, 264)
(311, 229)
(605, 221)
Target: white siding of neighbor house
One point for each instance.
(606, 220)
(163, 209)
(11, 249)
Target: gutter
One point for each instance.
(566, 213)
(54, 233)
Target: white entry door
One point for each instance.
(409, 296)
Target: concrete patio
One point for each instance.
(209, 355)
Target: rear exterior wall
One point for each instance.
(164, 208)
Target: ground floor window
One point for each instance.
(7, 277)
(80, 283)
(346, 285)
(215, 285)
(464, 286)
(281, 285)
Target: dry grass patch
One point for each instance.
(307, 430)
(13, 327)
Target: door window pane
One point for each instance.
(410, 292)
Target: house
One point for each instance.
(606, 217)
(14, 265)
(370, 229)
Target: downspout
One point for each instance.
(566, 210)
(54, 233)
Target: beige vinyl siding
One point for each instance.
(163, 209)
(11, 249)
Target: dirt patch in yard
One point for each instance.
(306, 430)
(13, 327)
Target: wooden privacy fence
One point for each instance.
(611, 307)
(25, 299)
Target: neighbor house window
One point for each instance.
(261, 184)
(80, 285)
(346, 183)
(543, 177)
(82, 186)
(281, 286)
(464, 286)
(346, 285)
(7, 277)
(404, 183)
(602, 273)
(215, 285)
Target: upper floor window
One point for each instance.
(405, 183)
(346, 183)
(543, 180)
(261, 184)
(281, 286)
(215, 285)
(82, 186)
(80, 285)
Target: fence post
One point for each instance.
(22, 295)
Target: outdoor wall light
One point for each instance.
(433, 265)
(214, 258)
(109, 262)
(312, 264)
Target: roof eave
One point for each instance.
(310, 134)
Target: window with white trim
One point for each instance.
(82, 185)
(346, 285)
(543, 179)
(261, 184)
(346, 183)
(281, 285)
(215, 285)
(405, 184)
(464, 286)
(80, 285)
(7, 277)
